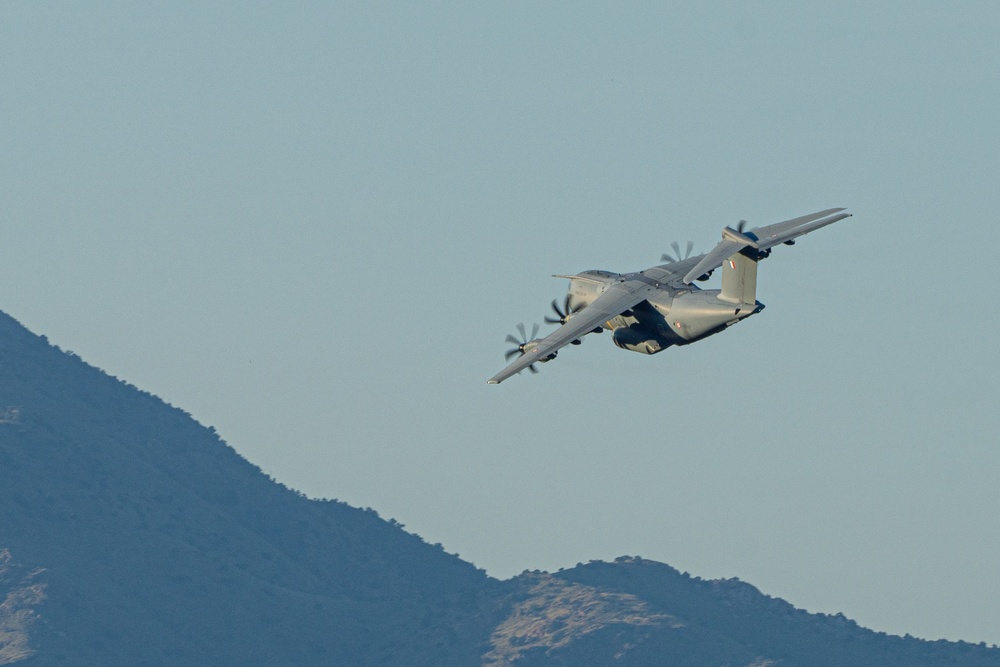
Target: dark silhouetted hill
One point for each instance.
(132, 535)
(161, 545)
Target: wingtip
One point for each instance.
(492, 382)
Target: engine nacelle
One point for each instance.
(525, 348)
(639, 340)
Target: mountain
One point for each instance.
(159, 544)
(132, 535)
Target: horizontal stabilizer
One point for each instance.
(713, 259)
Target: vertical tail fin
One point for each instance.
(739, 278)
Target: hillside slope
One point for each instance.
(161, 545)
(132, 535)
(762, 630)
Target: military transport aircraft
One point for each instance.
(651, 310)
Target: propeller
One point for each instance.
(677, 256)
(521, 344)
(564, 314)
(761, 254)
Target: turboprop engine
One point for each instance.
(524, 345)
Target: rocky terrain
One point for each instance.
(132, 535)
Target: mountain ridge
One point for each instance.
(131, 534)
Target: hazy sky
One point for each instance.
(312, 225)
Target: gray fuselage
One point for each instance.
(669, 316)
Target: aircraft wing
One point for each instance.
(618, 298)
(783, 232)
(762, 238)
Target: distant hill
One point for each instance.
(132, 535)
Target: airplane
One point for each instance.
(651, 310)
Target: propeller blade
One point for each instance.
(678, 255)
(564, 313)
(520, 343)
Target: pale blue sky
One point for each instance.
(312, 224)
